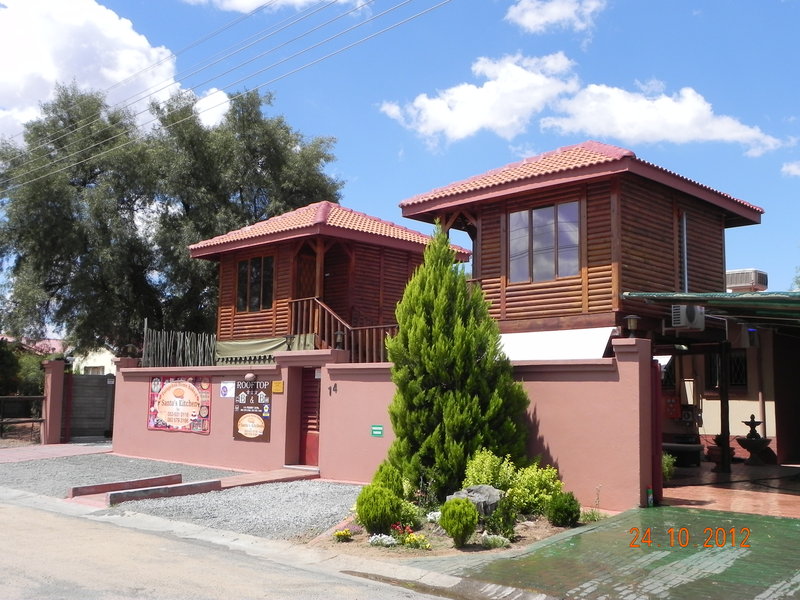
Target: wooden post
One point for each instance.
(53, 406)
(724, 406)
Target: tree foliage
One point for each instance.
(455, 389)
(99, 213)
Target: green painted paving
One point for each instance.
(682, 554)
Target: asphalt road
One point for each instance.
(48, 555)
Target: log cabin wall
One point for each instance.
(651, 246)
(363, 290)
(538, 305)
(379, 279)
(272, 322)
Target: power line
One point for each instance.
(149, 92)
(258, 72)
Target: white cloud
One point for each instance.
(516, 88)
(212, 106)
(246, 6)
(600, 110)
(51, 41)
(537, 16)
(792, 169)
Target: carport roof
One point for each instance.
(775, 309)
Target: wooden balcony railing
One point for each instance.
(365, 344)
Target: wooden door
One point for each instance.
(305, 275)
(309, 418)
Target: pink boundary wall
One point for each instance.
(592, 419)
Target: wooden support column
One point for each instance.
(724, 406)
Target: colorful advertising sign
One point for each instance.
(252, 406)
(180, 404)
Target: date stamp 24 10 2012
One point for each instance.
(681, 537)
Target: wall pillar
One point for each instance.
(53, 409)
(634, 358)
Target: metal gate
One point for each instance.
(89, 408)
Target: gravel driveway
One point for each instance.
(289, 510)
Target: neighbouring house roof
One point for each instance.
(321, 218)
(566, 165)
(44, 347)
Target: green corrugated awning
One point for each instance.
(767, 308)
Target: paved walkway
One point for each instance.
(37, 451)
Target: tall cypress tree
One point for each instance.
(455, 387)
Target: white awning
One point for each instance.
(565, 344)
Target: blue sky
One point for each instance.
(708, 89)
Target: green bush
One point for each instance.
(504, 518)
(667, 466)
(377, 508)
(459, 519)
(389, 477)
(485, 468)
(494, 541)
(564, 510)
(533, 487)
(411, 514)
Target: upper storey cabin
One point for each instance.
(558, 237)
(321, 276)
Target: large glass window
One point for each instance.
(544, 243)
(254, 284)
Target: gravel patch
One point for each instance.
(294, 510)
(54, 476)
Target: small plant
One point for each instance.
(667, 466)
(343, 535)
(425, 495)
(485, 468)
(591, 515)
(434, 516)
(459, 519)
(504, 518)
(383, 540)
(494, 541)
(377, 508)
(533, 488)
(410, 514)
(400, 532)
(417, 540)
(389, 477)
(564, 510)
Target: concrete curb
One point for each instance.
(163, 491)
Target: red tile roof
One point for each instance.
(336, 220)
(569, 160)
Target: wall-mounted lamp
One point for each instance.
(632, 323)
(338, 343)
(289, 340)
(250, 377)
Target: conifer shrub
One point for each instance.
(377, 508)
(564, 510)
(486, 468)
(459, 519)
(389, 477)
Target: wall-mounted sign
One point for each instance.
(277, 387)
(180, 404)
(252, 408)
(377, 430)
(227, 389)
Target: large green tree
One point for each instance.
(455, 388)
(99, 212)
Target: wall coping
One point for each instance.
(352, 368)
(224, 370)
(593, 364)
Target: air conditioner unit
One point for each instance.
(688, 316)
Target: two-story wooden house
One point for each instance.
(559, 236)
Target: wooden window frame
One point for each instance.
(557, 246)
(255, 274)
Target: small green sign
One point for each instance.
(377, 431)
